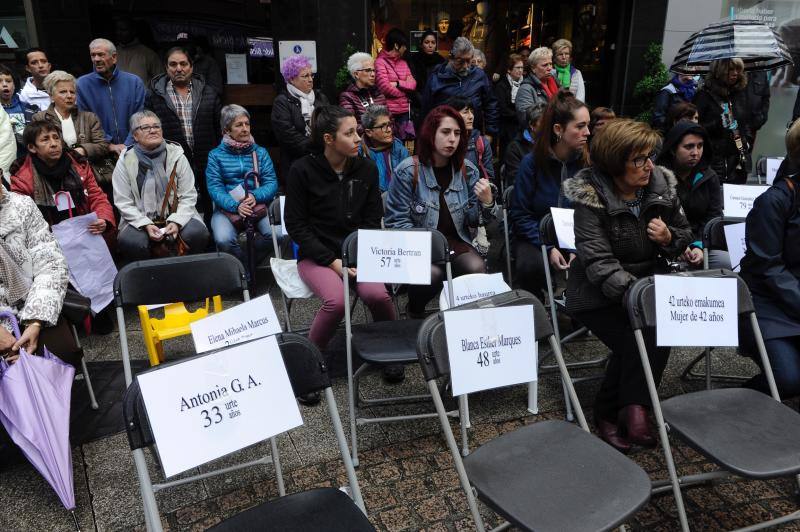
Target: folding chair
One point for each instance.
(187, 278)
(311, 510)
(548, 237)
(507, 233)
(549, 475)
(380, 344)
(276, 223)
(745, 432)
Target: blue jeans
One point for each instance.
(784, 357)
(227, 239)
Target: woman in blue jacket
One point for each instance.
(380, 145)
(228, 164)
(558, 155)
(440, 189)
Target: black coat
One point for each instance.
(519, 148)
(758, 98)
(700, 193)
(508, 113)
(422, 65)
(725, 154)
(321, 211)
(206, 106)
(666, 98)
(613, 249)
(289, 128)
(771, 265)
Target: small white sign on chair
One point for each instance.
(214, 405)
(564, 223)
(738, 199)
(773, 164)
(473, 286)
(253, 319)
(696, 311)
(737, 245)
(489, 348)
(402, 257)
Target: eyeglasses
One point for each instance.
(384, 127)
(367, 70)
(639, 162)
(148, 128)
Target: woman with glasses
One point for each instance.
(292, 109)
(396, 82)
(362, 93)
(628, 218)
(380, 144)
(141, 181)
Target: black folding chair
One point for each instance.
(549, 475)
(745, 432)
(314, 510)
(384, 343)
(275, 224)
(507, 233)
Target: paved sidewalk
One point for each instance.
(406, 472)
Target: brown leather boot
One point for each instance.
(634, 423)
(610, 434)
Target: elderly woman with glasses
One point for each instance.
(362, 93)
(380, 144)
(233, 188)
(628, 218)
(141, 182)
(292, 109)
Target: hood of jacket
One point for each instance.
(592, 189)
(673, 138)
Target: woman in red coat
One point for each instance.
(49, 174)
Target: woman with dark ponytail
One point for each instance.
(331, 193)
(560, 151)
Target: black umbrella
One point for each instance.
(760, 47)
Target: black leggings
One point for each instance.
(529, 270)
(420, 295)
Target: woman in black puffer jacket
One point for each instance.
(628, 219)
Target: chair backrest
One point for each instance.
(641, 297)
(440, 251)
(507, 196)
(274, 211)
(171, 279)
(714, 235)
(304, 363)
(547, 230)
(461, 280)
(432, 342)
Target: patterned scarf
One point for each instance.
(237, 146)
(151, 179)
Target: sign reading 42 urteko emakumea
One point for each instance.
(216, 404)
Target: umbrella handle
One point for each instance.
(14, 323)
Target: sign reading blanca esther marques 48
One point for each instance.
(216, 404)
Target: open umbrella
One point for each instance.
(755, 43)
(35, 395)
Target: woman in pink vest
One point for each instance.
(396, 82)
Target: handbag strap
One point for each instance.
(171, 186)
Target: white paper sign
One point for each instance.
(287, 49)
(694, 311)
(402, 257)
(734, 237)
(738, 199)
(63, 200)
(563, 221)
(489, 348)
(253, 319)
(214, 405)
(283, 224)
(473, 286)
(773, 163)
(238, 193)
(236, 68)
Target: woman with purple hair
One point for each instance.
(291, 112)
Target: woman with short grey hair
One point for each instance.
(380, 145)
(539, 85)
(80, 130)
(154, 192)
(241, 183)
(362, 92)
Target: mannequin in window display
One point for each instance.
(479, 28)
(443, 39)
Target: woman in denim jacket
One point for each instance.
(440, 175)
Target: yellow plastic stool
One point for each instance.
(175, 323)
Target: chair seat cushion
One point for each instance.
(307, 511)
(387, 342)
(745, 431)
(553, 475)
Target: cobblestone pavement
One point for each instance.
(406, 473)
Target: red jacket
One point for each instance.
(96, 199)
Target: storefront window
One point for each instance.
(14, 33)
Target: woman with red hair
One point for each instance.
(440, 189)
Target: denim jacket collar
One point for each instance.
(430, 179)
